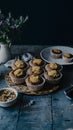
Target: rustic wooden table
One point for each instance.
(49, 112)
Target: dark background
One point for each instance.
(50, 21)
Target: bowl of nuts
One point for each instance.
(8, 96)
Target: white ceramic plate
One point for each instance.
(45, 54)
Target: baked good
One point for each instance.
(35, 82)
(35, 79)
(37, 70)
(53, 76)
(53, 66)
(56, 53)
(17, 76)
(67, 57)
(36, 62)
(19, 64)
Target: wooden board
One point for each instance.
(24, 89)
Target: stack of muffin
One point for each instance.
(18, 72)
(35, 81)
(35, 73)
(53, 73)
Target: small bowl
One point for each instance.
(8, 102)
(35, 87)
(53, 81)
(69, 93)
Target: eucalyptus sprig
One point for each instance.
(8, 24)
(4, 38)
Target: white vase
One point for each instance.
(5, 53)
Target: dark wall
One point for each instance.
(50, 21)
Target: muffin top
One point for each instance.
(18, 73)
(38, 62)
(53, 66)
(36, 69)
(35, 79)
(20, 64)
(67, 55)
(56, 51)
(53, 74)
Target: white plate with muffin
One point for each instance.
(62, 55)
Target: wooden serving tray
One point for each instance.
(24, 89)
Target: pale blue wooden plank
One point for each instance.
(37, 116)
(62, 108)
(9, 117)
(62, 112)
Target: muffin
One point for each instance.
(36, 62)
(37, 70)
(56, 53)
(67, 57)
(53, 66)
(17, 76)
(35, 82)
(53, 76)
(19, 64)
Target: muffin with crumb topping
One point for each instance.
(35, 82)
(19, 64)
(67, 57)
(53, 76)
(56, 53)
(37, 70)
(17, 76)
(53, 66)
(36, 62)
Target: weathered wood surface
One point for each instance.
(62, 107)
(37, 116)
(48, 112)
